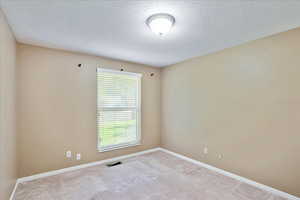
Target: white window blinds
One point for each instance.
(118, 109)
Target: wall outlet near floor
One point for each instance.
(78, 156)
(205, 150)
(220, 156)
(68, 154)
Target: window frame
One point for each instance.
(138, 109)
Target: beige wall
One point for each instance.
(242, 103)
(8, 165)
(57, 108)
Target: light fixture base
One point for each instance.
(160, 23)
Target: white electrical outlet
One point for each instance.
(205, 150)
(78, 156)
(220, 156)
(68, 154)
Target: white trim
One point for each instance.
(237, 177)
(14, 191)
(100, 69)
(60, 171)
(119, 146)
(139, 111)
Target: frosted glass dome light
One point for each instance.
(160, 23)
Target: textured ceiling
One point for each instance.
(116, 28)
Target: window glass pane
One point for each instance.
(117, 127)
(117, 90)
(117, 108)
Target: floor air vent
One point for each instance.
(113, 164)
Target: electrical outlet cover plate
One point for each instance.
(205, 150)
(68, 154)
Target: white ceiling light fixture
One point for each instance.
(160, 23)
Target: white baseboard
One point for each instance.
(55, 172)
(237, 177)
(14, 191)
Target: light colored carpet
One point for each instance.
(153, 176)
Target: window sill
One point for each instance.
(105, 149)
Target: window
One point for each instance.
(118, 109)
